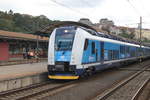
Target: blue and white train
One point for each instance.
(75, 51)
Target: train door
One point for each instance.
(102, 52)
(95, 50)
(93, 56)
(96, 53)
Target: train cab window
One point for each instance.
(64, 38)
(93, 47)
(86, 44)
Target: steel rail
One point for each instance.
(34, 90)
(13, 91)
(137, 94)
(48, 92)
(110, 91)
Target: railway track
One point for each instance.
(128, 89)
(36, 91)
(141, 89)
(47, 89)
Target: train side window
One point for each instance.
(93, 47)
(110, 54)
(86, 44)
(122, 49)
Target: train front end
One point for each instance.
(60, 54)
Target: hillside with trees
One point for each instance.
(17, 22)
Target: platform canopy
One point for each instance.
(45, 32)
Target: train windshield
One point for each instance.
(64, 38)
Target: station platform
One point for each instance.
(21, 61)
(22, 70)
(16, 76)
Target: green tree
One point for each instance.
(6, 24)
(17, 22)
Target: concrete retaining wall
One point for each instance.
(22, 81)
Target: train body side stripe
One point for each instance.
(108, 62)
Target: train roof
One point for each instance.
(115, 37)
(47, 31)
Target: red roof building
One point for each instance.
(14, 45)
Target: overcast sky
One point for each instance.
(122, 12)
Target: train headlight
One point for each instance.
(73, 59)
(72, 68)
(51, 68)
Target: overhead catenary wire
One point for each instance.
(144, 9)
(135, 9)
(89, 4)
(70, 8)
(86, 2)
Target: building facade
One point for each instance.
(15, 45)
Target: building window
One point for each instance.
(15, 49)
